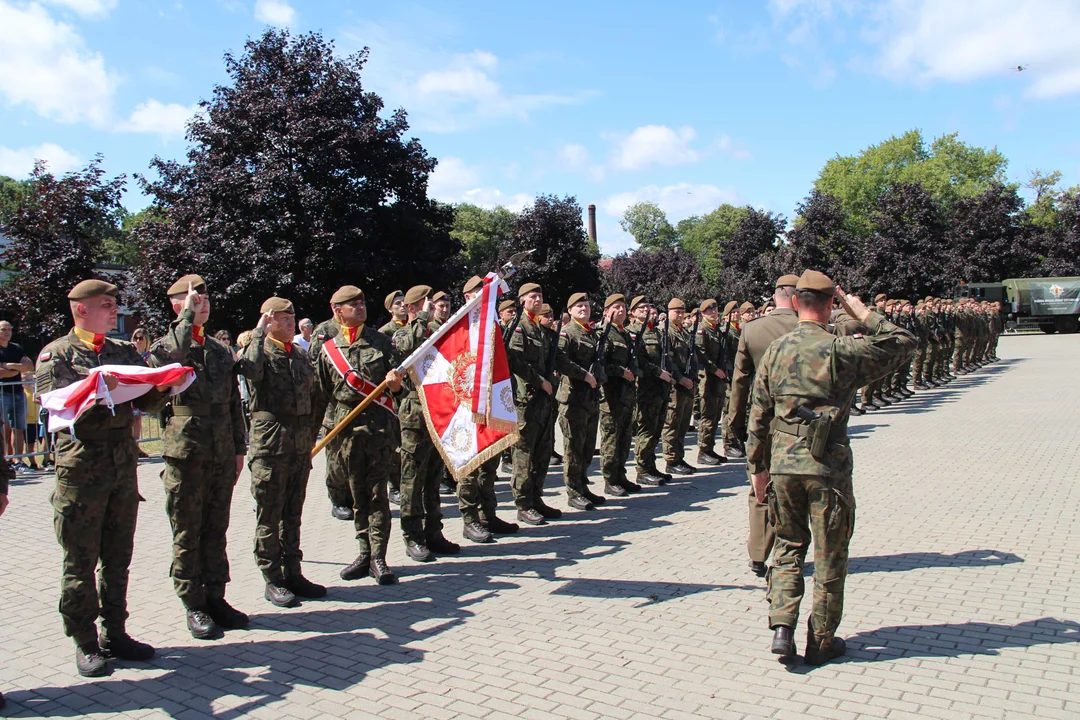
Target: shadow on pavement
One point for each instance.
(902, 562)
(955, 639)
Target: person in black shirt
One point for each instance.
(13, 363)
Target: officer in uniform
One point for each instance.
(96, 499)
(547, 322)
(283, 429)
(477, 500)
(363, 452)
(681, 399)
(440, 308)
(617, 398)
(653, 389)
(204, 446)
(712, 381)
(421, 464)
(337, 485)
(805, 383)
(532, 367)
(579, 400)
(755, 338)
(394, 302)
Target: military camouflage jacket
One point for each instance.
(407, 338)
(68, 360)
(649, 356)
(372, 356)
(679, 348)
(208, 414)
(619, 356)
(577, 350)
(528, 351)
(282, 388)
(710, 358)
(812, 368)
(391, 328)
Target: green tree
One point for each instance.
(296, 182)
(480, 231)
(649, 226)
(949, 169)
(748, 258)
(12, 193)
(706, 237)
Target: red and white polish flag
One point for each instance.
(463, 379)
(67, 404)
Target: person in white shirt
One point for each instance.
(304, 338)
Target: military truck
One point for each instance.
(1049, 304)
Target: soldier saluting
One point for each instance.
(204, 447)
(805, 384)
(96, 500)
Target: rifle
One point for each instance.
(599, 356)
(633, 356)
(553, 350)
(692, 360)
(509, 332)
(664, 346)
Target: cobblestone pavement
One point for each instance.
(962, 598)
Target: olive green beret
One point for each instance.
(707, 304)
(276, 304)
(180, 287)
(576, 298)
(676, 304)
(528, 288)
(389, 301)
(506, 305)
(787, 281)
(345, 293)
(614, 298)
(416, 294)
(694, 313)
(731, 305)
(439, 296)
(879, 297)
(473, 283)
(92, 288)
(816, 281)
(545, 309)
(638, 300)
(747, 307)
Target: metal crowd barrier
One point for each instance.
(150, 430)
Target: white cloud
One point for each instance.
(46, 64)
(275, 12)
(574, 157)
(655, 145)
(158, 118)
(455, 181)
(679, 201)
(86, 8)
(19, 163)
(925, 40)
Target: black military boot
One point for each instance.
(90, 661)
(735, 453)
(341, 512)
(705, 457)
(628, 486)
(500, 527)
(648, 479)
(476, 532)
(417, 552)
(120, 645)
(201, 625)
(358, 568)
(593, 497)
(381, 572)
(819, 652)
(225, 614)
(759, 568)
(856, 410)
(394, 496)
(548, 512)
(580, 503)
(783, 643)
(614, 490)
(529, 517)
(279, 596)
(438, 543)
(301, 587)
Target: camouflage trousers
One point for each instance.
(337, 484)
(676, 424)
(918, 362)
(578, 424)
(279, 486)
(364, 459)
(961, 349)
(95, 506)
(532, 452)
(709, 408)
(810, 507)
(421, 474)
(198, 500)
(476, 492)
(900, 377)
(615, 440)
(649, 415)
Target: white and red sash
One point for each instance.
(353, 378)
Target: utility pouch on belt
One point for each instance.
(820, 427)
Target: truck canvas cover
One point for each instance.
(1055, 297)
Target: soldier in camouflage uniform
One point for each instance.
(712, 381)
(680, 347)
(920, 362)
(363, 452)
(809, 371)
(283, 429)
(653, 390)
(337, 485)
(421, 464)
(734, 444)
(395, 305)
(579, 400)
(617, 398)
(531, 365)
(204, 446)
(96, 500)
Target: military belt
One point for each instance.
(208, 410)
(283, 418)
(803, 430)
(98, 433)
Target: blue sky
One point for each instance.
(688, 104)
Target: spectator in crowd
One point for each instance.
(34, 427)
(141, 340)
(226, 338)
(13, 363)
(304, 338)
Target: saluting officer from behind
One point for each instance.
(805, 384)
(681, 399)
(96, 500)
(283, 429)
(653, 388)
(617, 398)
(204, 446)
